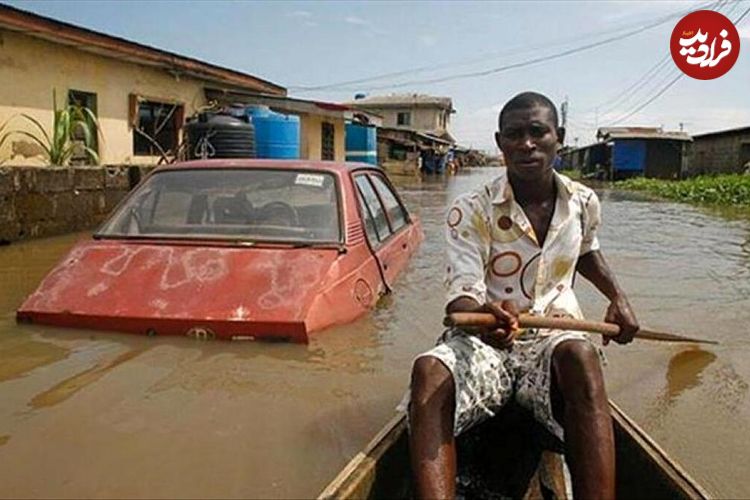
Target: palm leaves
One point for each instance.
(64, 142)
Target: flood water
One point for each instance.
(91, 414)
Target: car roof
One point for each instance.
(242, 163)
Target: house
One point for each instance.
(724, 151)
(423, 113)
(137, 92)
(623, 152)
(414, 135)
(408, 152)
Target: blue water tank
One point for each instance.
(361, 143)
(276, 134)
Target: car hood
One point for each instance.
(223, 291)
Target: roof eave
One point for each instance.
(109, 46)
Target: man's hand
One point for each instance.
(506, 314)
(620, 313)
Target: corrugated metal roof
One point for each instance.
(729, 131)
(397, 100)
(609, 133)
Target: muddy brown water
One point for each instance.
(107, 415)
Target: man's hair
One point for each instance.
(526, 100)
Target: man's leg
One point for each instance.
(580, 404)
(431, 442)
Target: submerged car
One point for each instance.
(235, 249)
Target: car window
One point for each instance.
(247, 204)
(376, 208)
(393, 208)
(370, 231)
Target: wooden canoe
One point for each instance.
(511, 456)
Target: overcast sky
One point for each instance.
(309, 44)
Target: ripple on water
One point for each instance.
(284, 407)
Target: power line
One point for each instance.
(341, 85)
(657, 68)
(518, 49)
(652, 99)
(668, 85)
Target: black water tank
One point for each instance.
(214, 135)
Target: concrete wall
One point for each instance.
(311, 140)
(421, 118)
(44, 201)
(725, 153)
(31, 68)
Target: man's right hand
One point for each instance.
(506, 313)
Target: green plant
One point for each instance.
(727, 189)
(60, 146)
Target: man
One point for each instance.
(516, 243)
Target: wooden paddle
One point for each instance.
(529, 321)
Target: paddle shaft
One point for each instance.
(530, 321)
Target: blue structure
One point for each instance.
(276, 134)
(361, 143)
(629, 157)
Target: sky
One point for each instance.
(303, 45)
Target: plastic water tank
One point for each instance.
(220, 136)
(276, 134)
(361, 143)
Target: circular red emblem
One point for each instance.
(705, 45)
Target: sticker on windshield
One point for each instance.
(310, 180)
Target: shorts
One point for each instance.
(487, 378)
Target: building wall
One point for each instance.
(664, 159)
(421, 118)
(724, 153)
(311, 137)
(40, 66)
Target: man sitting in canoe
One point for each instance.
(516, 243)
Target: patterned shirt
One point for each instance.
(493, 253)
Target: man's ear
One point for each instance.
(561, 135)
(497, 140)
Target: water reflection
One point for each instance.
(96, 414)
(70, 386)
(21, 355)
(685, 370)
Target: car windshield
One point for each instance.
(271, 205)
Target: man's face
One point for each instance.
(528, 140)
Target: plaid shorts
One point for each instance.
(487, 378)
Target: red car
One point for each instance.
(235, 249)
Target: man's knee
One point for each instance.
(431, 383)
(578, 372)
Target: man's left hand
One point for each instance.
(620, 313)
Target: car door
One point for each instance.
(389, 231)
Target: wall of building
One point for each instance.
(723, 153)
(664, 159)
(421, 118)
(45, 201)
(40, 66)
(311, 137)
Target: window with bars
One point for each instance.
(403, 119)
(84, 100)
(156, 127)
(327, 139)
